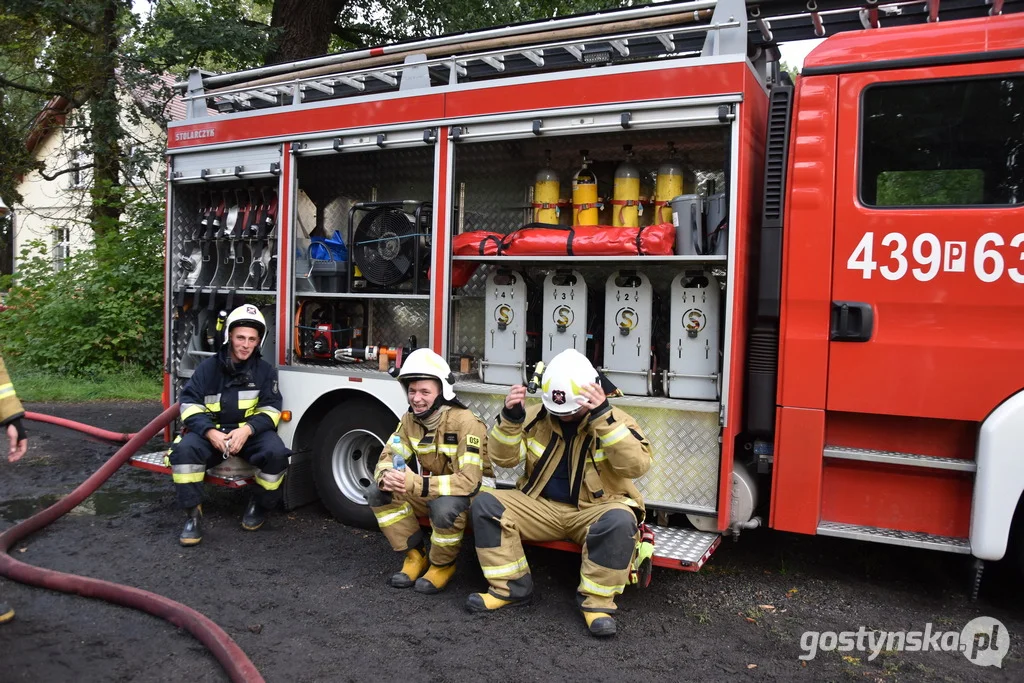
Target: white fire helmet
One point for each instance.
(563, 378)
(425, 364)
(246, 315)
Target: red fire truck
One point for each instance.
(810, 295)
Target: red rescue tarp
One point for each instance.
(591, 240)
(584, 240)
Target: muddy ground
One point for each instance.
(306, 597)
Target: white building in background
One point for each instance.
(56, 201)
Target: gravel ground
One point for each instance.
(306, 597)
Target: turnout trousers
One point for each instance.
(608, 533)
(397, 515)
(193, 455)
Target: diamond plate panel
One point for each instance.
(910, 539)
(688, 546)
(393, 320)
(684, 469)
(468, 328)
(487, 407)
(390, 174)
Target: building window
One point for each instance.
(77, 174)
(61, 248)
(135, 166)
(955, 143)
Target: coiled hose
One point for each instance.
(237, 665)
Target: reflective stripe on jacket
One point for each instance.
(455, 454)
(10, 406)
(219, 395)
(608, 451)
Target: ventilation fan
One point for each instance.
(388, 243)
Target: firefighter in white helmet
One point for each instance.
(231, 406)
(581, 456)
(448, 442)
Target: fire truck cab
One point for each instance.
(811, 296)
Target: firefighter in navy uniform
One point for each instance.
(581, 456)
(11, 414)
(450, 444)
(231, 406)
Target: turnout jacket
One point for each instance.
(221, 396)
(10, 407)
(452, 458)
(607, 452)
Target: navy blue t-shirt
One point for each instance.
(559, 487)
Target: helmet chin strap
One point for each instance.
(425, 416)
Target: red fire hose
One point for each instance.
(237, 665)
(71, 424)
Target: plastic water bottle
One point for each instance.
(397, 460)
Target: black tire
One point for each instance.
(346, 448)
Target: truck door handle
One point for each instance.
(852, 321)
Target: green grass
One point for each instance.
(131, 385)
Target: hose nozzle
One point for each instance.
(538, 372)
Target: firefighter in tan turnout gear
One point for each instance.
(11, 414)
(581, 455)
(450, 444)
(231, 406)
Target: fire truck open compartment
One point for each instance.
(361, 249)
(493, 192)
(222, 248)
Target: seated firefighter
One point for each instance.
(450, 444)
(231, 406)
(581, 455)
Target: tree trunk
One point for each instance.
(107, 193)
(305, 28)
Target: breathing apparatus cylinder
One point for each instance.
(626, 193)
(584, 194)
(546, 191)
(670, 183)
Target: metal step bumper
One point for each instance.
(910, 539)
(232, 473)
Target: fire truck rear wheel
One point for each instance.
(346, 448)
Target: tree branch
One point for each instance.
(69, 169)
(28, 88)
(74, 23)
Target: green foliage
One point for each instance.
(947, 187)
(215, 35)
(128, 384)
(416, 18)
(100, 314)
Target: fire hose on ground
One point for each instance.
(235, 662)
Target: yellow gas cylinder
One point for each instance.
(546, 190)
(626, 193)
(669, 184)
(584, 194)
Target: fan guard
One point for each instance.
(384, 245)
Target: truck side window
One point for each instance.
(952, 143)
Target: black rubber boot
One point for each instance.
(254, 516)
(6, 612)
(193, 531)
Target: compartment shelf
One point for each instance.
(592, 259)
(655, 402)
(357, 295)
(227, 290)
